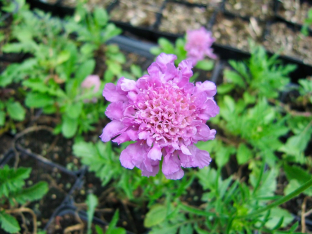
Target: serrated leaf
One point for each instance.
(156, 215)
(235, 78)
(12, 180)
(9, 223)
(32, 193)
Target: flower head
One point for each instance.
(198, 45)
(89, 82)
(165, 114)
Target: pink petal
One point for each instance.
(171, 165)
(114, 111)
(208, 87)
(163, 59)
(111, 130)
(155, 153)
(128, 85)
(122, 138)
(111, 94)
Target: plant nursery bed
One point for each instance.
(131, 216)
(137, 13)
(295, 11)
(289, 41)
(235, 31)
(176, 18)
(262, 9)
(54, 148)
(60, 182)
(72, 221)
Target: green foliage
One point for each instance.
(261, 75)
(92, 202)
(12, 192)
(307, 23)
(100, 159)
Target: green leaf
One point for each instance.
(108, 76)
(98, 229)
(155, 50)
(156, 215)
(186, 229)
(243, 154)
(136, 70)
(32, 193)
(235, 78)
(73, 110)
(38, 100)
(118, 230)
(2, 118)
(300, 175)
(205, 64)
(113, 223)
(16, 110)
(84, 70)
(69, 126)
(62, 57)
(110, 32)
(225, 88)
(100, 16)
(9, 223)
(12, 180)
(166, 45)
(279, 217)
(230, 103)
(92, 202)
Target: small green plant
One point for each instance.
(307, 23)
(92, 203)
(260, 76)
(13, 196)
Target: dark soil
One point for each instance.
(289, 42)
(59, 182)
(235, 32)
(211, 3)
(5, 145)
(262, 9)
(71, 221)
(131, 216)
(294, 10)
(178, 18)
(55, 148)
(137, 13)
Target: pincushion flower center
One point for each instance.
(168, 112)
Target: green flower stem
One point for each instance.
(281, 200)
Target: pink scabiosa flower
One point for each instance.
(165, 114)
(89, 82)
(198, 45)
